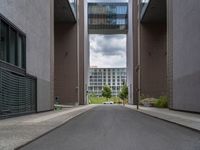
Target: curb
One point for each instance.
(51, 130)
(179, 124)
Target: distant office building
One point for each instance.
(99, 77)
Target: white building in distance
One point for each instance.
(99, 77)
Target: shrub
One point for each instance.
(116, 100)
(162, 102)
(148, 102)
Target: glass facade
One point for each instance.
(12, 45)
(108, 16)
(3, 41)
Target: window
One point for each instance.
(3, 41)
(12, 45)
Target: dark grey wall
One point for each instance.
(183, 20)
(34, 18)
(153, 60)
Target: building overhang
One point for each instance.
(63, 11)
(108, 29)
(154, 11)
(107, 18)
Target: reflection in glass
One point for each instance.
(19, 51)
(110, 16)
(12, 47)
(3, 41)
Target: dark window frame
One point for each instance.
(5, 64)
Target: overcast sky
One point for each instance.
(108, 51)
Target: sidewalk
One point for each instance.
(17, 131)
(190, 120)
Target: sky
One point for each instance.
(107, 51)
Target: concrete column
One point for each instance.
(183, 47)
(130, 65)
(83, 51)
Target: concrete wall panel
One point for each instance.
(34, 18)
(66, 75)
(153, 60)
(185, 23)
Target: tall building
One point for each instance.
(40, 58)
(115, 78)
(164, 59)
(44, 51)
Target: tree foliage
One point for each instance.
(106, 92)
(123, 94)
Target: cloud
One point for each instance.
(108, 50)
(108, 44)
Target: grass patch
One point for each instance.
(97, 100)
(101, 100)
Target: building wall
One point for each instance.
(183, 44)
(34, 18)
(153, 60)
(83, 51)
(99, 77)
(72, 58)
(66, 75)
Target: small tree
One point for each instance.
(106, 92)
(123, 94)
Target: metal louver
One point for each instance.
(17, 94)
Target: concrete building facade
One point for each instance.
(40, 42)
(23, 84)
(167, 51)
(115, 78)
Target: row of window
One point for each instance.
(106, 76)
(109, 69)
(93, 84)
(101, 88)
(95, 81)
(100, 8)
(109, 74)
(12, 45)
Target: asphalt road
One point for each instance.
(117, 128)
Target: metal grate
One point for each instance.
(17, 94)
